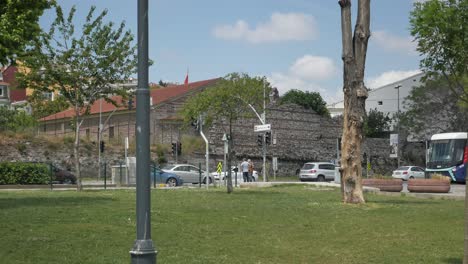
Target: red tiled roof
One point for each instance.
(159, 96)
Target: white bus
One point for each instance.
(447, 155)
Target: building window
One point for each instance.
(111, 132)
(2, 90)
(48, 96)
(380, 102)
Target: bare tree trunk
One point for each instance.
(355, 94)
(76, 150)
(229, 160)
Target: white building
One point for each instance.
(386, 98)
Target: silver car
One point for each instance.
(188, 173)
(319, 171)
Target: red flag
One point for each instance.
(186, 79)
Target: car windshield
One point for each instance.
(403, 168)
(169, 167)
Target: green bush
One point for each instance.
(24, 173)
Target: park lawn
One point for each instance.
(284, 224)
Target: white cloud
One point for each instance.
(393, 43)
(313, 68)
(389, 77)
(280, 27)
(304, 74)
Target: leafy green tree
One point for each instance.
(376, 124)
(308, 100)
(15, 120)
(19, 25)
(440, 28)
(433, 108)
(83, 66)
(227, 102)
(41, 107)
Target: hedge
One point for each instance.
(24, 173)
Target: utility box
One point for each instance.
(119, 174)
(337, 175)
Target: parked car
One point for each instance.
(319, 171)
(240, 178)
(408, 172)
(168, 178)
(187, 172)
(62, 176)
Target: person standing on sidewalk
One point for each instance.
(245, 170)
(251, 169)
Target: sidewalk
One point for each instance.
(457, 191)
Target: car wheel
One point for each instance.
(321, 178)
(411, 177)
(172, 182)
(67, 181)
(204, 180)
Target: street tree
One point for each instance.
(226, 102)
(440, 29)
(433, 108)
(19, 25)
(308, 100)
(355, 95)
(42, 107)
(376, 124)
(83, 67)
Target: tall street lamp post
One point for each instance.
(143, 251)
(398, 124)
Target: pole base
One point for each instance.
(143, 252)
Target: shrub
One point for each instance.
(440, 177)
(24, 173)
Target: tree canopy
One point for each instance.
(308, 100)
(19, 25)
(83, 66)
(433, 108)
(227, 102)
(440, 28)
(376, 124)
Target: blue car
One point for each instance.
(168, 178)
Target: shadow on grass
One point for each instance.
(453, 260)
(10, 203)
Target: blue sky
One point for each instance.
(296, 44)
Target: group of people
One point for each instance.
(247, 168)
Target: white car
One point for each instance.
(408, 172)
(319, 171)
(240, 178)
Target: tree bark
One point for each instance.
(229, 160)
(355, 94)
(76, 149)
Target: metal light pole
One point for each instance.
(264, 136)
(398, 124)
(143, 251)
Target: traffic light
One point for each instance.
(196, 124)
(268, 138)
(130, 104)
(174, 148)
(101, 146)
(260, 139)
(179, 148)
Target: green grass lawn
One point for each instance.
(285, 224)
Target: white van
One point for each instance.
(319, 171)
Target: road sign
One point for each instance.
(220, 167)
(262, 128)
